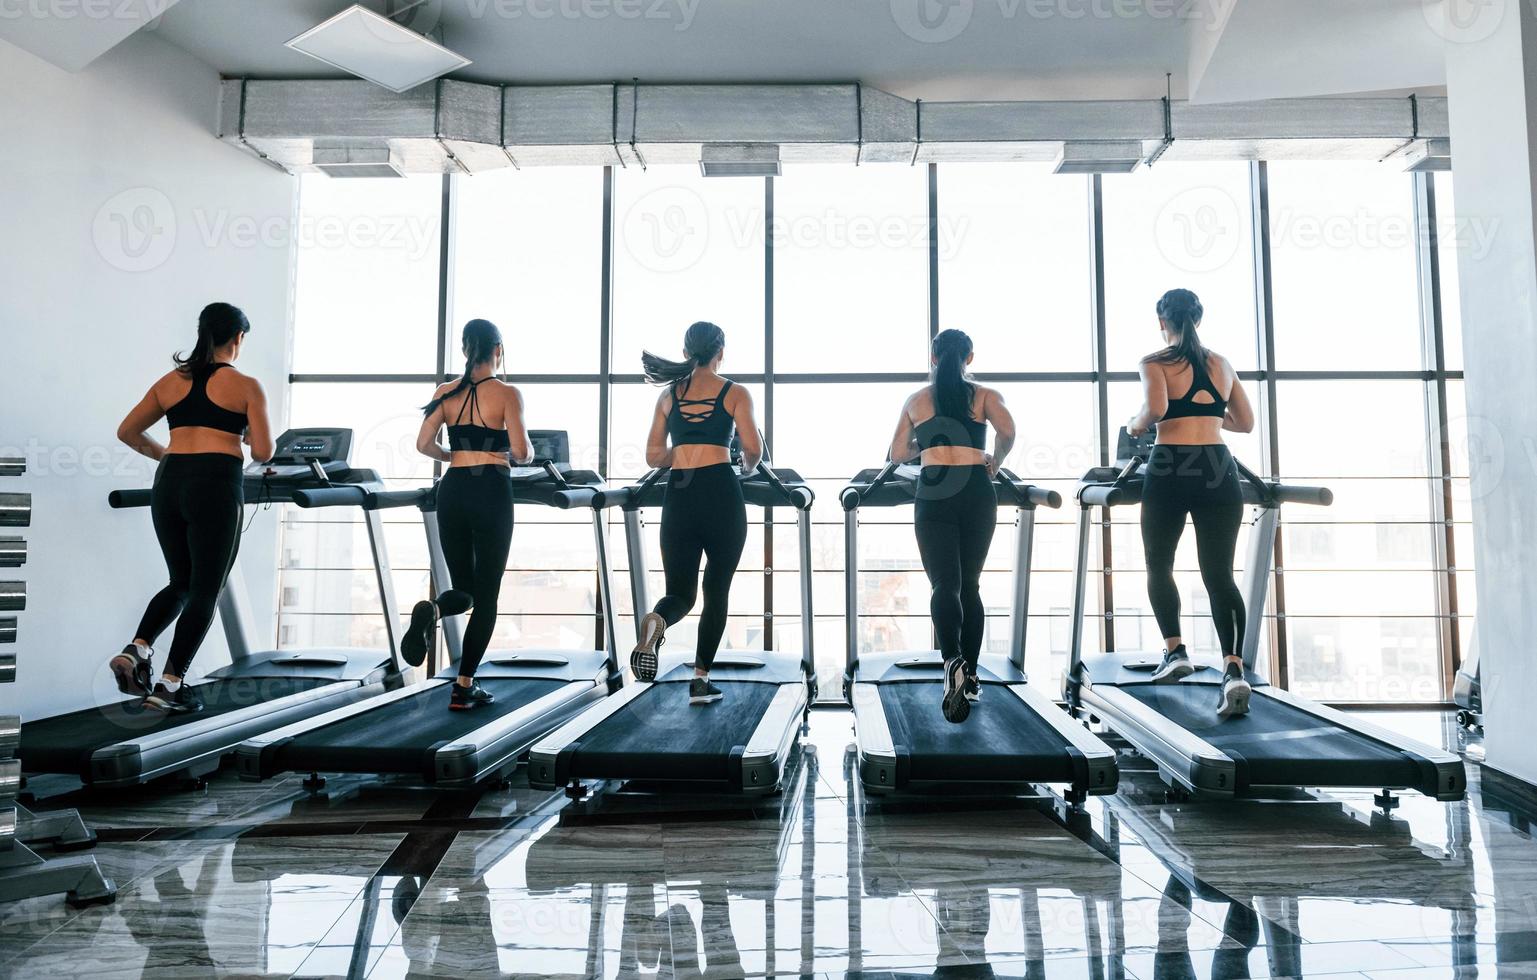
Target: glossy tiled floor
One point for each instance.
(385, 881)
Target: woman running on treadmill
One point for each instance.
(484, 417)
(197, 501)
(703, 513)
(945, 425)
(1190, 472)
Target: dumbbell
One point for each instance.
(13, 596)
(15, 509)
(7, 629)
(12, 466)
(13, 551)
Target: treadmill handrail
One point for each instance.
(356, 495)
(631, 497)
(1019, 493)
(120, 499)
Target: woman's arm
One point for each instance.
(133, 431)
(658, 455)
(1155, 399)
(521, 449)
(258, 433)
(904, 445)
(427, 436)
(1240, 414)
(747, 429)
(1002, 421)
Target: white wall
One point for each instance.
(1492, 90)
(122, 217)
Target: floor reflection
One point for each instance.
(382, 881)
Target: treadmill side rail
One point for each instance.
(878, 763)
(251, 756)
(198, 745)
(1450, 772)
(1196, 764)
(1103, 775)
(764, 758)
(464, 763)
(544, 756)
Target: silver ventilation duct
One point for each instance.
(739, 160)
(468, 127)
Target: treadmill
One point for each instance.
(1014, 735)
(1284, 740)
(121, 744)
(410, 732)
(649, 731)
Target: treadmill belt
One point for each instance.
(65, 743)
(395, 738)
(1277, 744)
(659, 735)
(1002, 740)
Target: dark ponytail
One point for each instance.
(481, 338)
(1181, 310)
(953, 393)
(217, 325)
(701, 344)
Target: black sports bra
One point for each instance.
(471, 437)
(939, 431)
(1186, 407)
(712, 426)
(197, 409)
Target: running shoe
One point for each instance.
(182, 701)
(973, 685)
(421, 635)
(1235, 693)
(653, 633)
(1176, 665)
(133, 669)
(701, 691)
(955, 706)
(465, 698)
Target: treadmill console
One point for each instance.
(1129, 446)
(553, 445)
(309, 454)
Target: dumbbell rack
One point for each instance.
(23, 872)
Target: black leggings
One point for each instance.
(475, 523)
(196, 506)
(954, 517)
(703, 516)
(1202, 482)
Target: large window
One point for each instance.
(829, 281)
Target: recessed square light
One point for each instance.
(377, 49)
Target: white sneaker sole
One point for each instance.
(643, 659)
(707, 699)
(955, 707)
(1235, 701)
(1177, 671)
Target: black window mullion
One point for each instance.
(1264, 299)
(1437, 444)
(768, 408)
(1096, 219)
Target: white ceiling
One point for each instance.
(1000, 49)
(1235, 50)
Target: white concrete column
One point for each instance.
(1491, 67)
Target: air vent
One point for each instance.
(1427, 156)
(377, 49)
(1096, 157)
(357, 161)
(739, 160)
